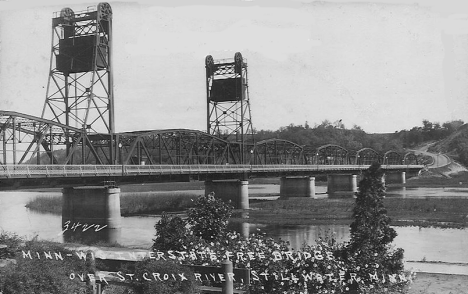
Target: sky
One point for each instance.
(382, 65)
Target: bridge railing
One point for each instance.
(36, 171)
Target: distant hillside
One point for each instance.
(455, 145)
(355, 138)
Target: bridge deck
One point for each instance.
(65, 171)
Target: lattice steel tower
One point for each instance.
(80, 85)
(228, 105)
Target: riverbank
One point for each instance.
(424, 212)
(433, 179)
(431, 283)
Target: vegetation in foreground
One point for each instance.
(366, 264)
(31, 274)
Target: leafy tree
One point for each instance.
(209, 217)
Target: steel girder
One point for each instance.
(392, 157)
(277, 151)
(367, 156)
(331, 154)
(176, 146)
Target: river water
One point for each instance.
(428, 244)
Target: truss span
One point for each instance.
(26, 138)
(367, 156)
(392, 157)
(331, 154)
(278, 151)
(176, 147)
(410, 158)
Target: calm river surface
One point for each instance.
(431, 244)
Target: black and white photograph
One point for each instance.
(233, 146)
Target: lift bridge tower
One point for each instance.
(228, 105)
(80, 85)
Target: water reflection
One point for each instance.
(430, 244)
(15, 217)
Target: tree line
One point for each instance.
(356, 138)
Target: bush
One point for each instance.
(209, 217)
(13, 243)
(171, 233)
(170, 283)
(42, 275)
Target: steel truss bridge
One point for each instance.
(36, 141)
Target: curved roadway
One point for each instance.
(438, 159)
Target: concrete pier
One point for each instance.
(341, 184)
(91, 214)
(237, 191)
(297, 187)
(395, 178)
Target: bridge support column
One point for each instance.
(395, 178)
(341, 184)
(235, 190)
(91, 214)
(297, 187)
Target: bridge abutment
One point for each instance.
(91, 214)
(341, 184)
(395, 178)
(297, 187)
(237, 191)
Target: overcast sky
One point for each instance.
(382, 65)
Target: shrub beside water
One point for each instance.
(209, 217)
(171, 233)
